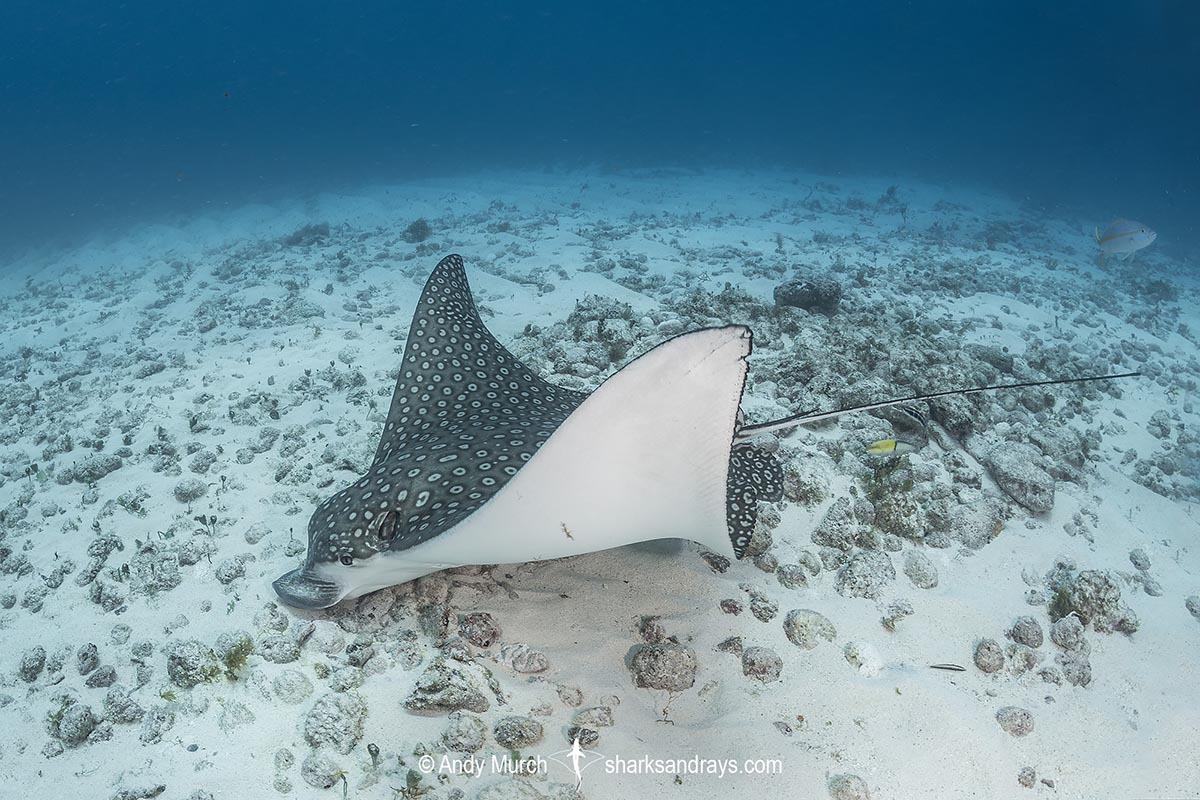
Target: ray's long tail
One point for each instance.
(804, 418)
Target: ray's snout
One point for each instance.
(302, 589)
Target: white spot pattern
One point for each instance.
(462, 399)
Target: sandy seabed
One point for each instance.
(177, 399)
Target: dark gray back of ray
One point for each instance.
(754, 474)
(465, 416)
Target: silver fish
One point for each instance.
(1123, 237)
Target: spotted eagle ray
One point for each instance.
(482, 462)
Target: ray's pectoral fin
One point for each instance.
(754, 475)
(645, 456)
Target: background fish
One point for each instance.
(888, 447)
(1124, 237)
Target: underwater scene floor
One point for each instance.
(1009, 608)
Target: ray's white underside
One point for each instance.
(645, 457)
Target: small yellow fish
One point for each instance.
(887, 447)
(1123, 237)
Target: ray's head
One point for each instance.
(344, 536)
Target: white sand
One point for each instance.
(908, 731)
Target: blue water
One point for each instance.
(116, 113)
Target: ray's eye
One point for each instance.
(346, 559)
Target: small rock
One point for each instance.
(279, 648)
(586, 737)
(517, 733)
(190, 489)
(651, 630)
(732, 606)
(271, 618)
(731, 645)
(1192, 603)
(1139, 559)
(920, 570)
(863, 657)
(32, 663)
(94, 467)
(768, 563)
(292, 686)
(1124, 621)
(818, 293)
(1016, 721)
(1027, 631)
(157, 721)
(444, 687)
(1094, 596)
(1067, 633)
(761, 663)
(344, 679)
(524, 659)
(103, 677)
(1022, 659)
(479, 628)
(1016, 468)
(76, 723)
(1027, 777)
(256, 533)
(1076, 668)
(230, 569)
(1159, 425)
(140, 792)
(896, 611)
(319, 771)
(806, 628)
(285, 648)
(465, 733)
(865, 574)
(596, 717)
(670, 327)
(762, 607)
(791, 576)
(847, 787)
(119, 708)
(190, 663)
(671, 667)
(87, 659)
(570, 696)
(988, 656)
(336, 720)
(1051, 675)
(361, 650)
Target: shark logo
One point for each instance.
(577, 759)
